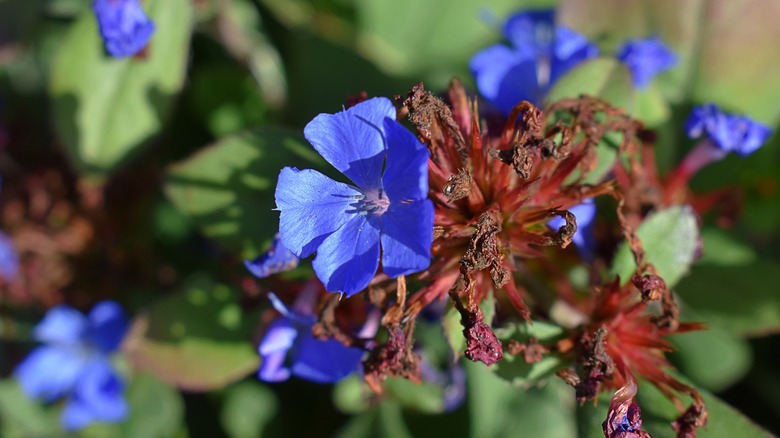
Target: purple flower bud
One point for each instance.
(729, 132)
(124, 26)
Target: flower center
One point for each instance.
(374, 202)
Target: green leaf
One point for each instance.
(721, 249)
(22, 416)
(740, 299)
(156, 409)
(670, 239)
(197, 339)
(106, 108)
(351, 395)
(499, 409)
(384, 421)
(724, 421)
(228, 188)
(247, 410)
(514, 368)
(713, 359)
(605, 78)
(709, 38)
(409, 36)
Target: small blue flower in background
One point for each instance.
(345, 224)
(289, 348)
(646, 58)
(74, 362)
(124, 26)
(583, 237)
(540, 54)
(9, 259)
(277, 259)
(728, 132)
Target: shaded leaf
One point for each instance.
(740, 299)
(22, 416)
(713, 359)
(156, 409)
(247, 410)
(499, 409)
(228, 189)
(197, 340)
(106, 108)
(605, 78)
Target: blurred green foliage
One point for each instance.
(214, 110)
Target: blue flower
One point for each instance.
(540, 54)
(345, 224)
(289, 348)
(74, 363)
(124, 26)
(583, 237)
(277, 259)
(9, 259)
(729, 132)
(646, 58)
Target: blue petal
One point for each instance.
(277, 259)
(9, 259)
(347, 260)
(406, 172)
(730, 133)
(531, 32)
(49, 372)
(352, 140)
(278, 340)
(98, 396)
(646, 58)
(124, 26)
(490, 68)
(108, 325)
(520, 83)
(407, 235)
(312, 207)
(324, 361)
(62, 325)
(571, 49)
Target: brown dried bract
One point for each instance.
(531, 350)
(693, 418)
(393, 358)
(595, 363)
(458, 186)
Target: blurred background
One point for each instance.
(149, 181)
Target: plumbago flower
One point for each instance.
(124, 26)
(74, 362)
(289, 347)
(646, 58)
(720, 133)
(540, 53)
(9, 259)
(345, 224)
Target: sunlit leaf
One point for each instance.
(106, 108)
(670, 239)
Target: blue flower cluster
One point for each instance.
(345, 224)
(124, 26)
(74, 362)
(728, 132)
